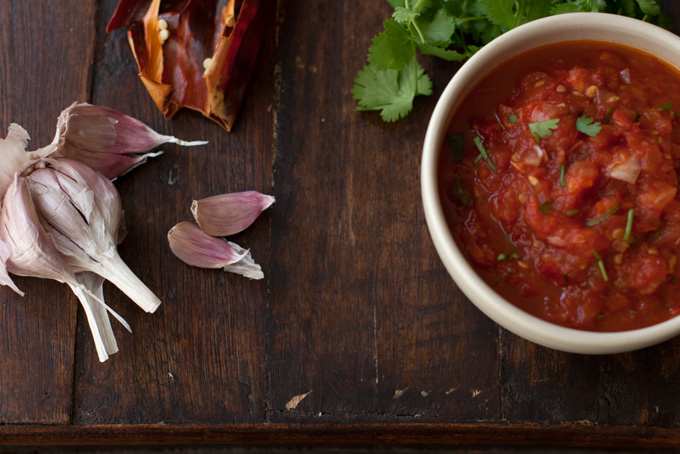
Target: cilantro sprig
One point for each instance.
(542, 129)
(588, 126)
(454, 31)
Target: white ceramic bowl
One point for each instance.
(568, 27)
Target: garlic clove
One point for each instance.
(106, 140)
(228, 214)
(192, 246)
(107, 200)
(33, 252)
(110, 165)
(195, 248)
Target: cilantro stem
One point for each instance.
(482, 151)
(629, 226)
(603, 216)
(600, 264)
(469, 19)
(420, 33)
(562, 175)
(415, 71)
(418, 6)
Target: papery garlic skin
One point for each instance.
(229, 214)
(35, 255)
(6, 253)
(88, 242)
(33, 252)
(61, 220)
(106, 140)
(15, 158)
(97, 317)
(246, 266)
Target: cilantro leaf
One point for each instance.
(649, 7)
(456, 144)
(461, 195)
(455, 29)
(438, 30)
(403, 15)
(512, 118)
(511, 13)
(627, 7)
(391, 49)
(543, 129)
(546, 207)
(579, 6)
(390, 91)
(446, 54)
(586, 126)
(483, 153)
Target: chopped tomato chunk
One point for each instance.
(578, 219)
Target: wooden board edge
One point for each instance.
(400, 434)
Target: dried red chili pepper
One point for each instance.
(172, 69)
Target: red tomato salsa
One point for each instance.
(561, 185)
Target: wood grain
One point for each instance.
(366, 322)
(455, 437)
(45, 65)
(200, 357)
(357, 334)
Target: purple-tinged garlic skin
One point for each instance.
(192, 246)
(106, 140)
(81, 211)
(229, 214)
(33, 252)
(195, 248)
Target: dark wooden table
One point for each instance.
(356, 335)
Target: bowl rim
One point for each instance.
(657, 42)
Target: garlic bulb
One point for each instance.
(81, 211)
(229, 214)
(34, 254)
(62, 220)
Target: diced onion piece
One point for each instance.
(627, 170)
(534, 158)
(625, 76)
